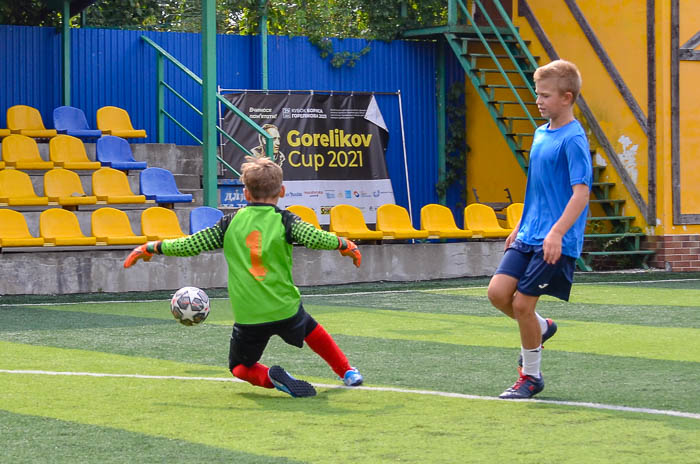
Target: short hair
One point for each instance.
(262, 177)
(567, 75)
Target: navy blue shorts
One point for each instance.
(248, 341)
(535, 276)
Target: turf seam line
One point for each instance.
(609, 407)
(305, 296)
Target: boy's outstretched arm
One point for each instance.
(208, 239)
(306, 234)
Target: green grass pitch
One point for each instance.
(122, 382)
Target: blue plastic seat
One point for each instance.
(71, 121)
(159, 184)
(203, 217)
(115, 152)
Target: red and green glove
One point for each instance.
(144, 252)
(348, 248)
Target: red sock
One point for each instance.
(323, 344)
(255, 374)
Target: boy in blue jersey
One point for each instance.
(257, 243)
(541, 251)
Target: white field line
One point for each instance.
(378, 292)
(609, 407)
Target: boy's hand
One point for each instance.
(552, 247)
(348, 248)
(144, 252)
(511, 238)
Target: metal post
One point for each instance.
(263, 43)
(209, 102)
(65, 40)
(405, 157)
(160, 100)
(441, 117)
(452, 12)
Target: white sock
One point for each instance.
(543, 322)
(531, 361)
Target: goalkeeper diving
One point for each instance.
(257, 243)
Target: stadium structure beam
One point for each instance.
(211, 197)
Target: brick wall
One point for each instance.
(674, 252)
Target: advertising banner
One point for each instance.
(330, 147)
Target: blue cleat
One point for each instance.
(288, 384)
(353, 378)
(549, 333)
(527, 386)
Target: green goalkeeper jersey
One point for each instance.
(257, 242)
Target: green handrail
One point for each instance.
(484, 42)
(162, 113)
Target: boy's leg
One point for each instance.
(501, 292)
(255, 374)
(245, 350)
(323, 344)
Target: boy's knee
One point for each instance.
(498, 297)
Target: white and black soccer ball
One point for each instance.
(190, 305)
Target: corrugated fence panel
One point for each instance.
(115, 67)
(30, 70)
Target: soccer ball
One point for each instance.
(190, 305)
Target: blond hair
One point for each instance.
(565, 72)
(262, 177)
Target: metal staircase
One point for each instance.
(500, 66)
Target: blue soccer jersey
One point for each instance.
(559, 159)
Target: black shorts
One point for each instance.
(248, 341)
(535, 276)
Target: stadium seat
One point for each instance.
(203, 217)
(482, 220)
(69, 152)
(25, 120)
(4, 132)
(14, 231)
(115, 152)
(116, 121)
(111, 226)
(160, 224)
(22, 152)
(60, 227)
(72, 121)
(159, 184)
(112, 186)
(348, 221)
(513, 213)
(16, 189)
(64, 186)
(394, 222)
(306, 214)
(440, 223)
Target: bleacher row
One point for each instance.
(111, 226)
(437, 222)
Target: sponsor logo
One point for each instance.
(356, 194)
(376, 193)
(543, 286)
(326, 210)
(348, 194)
(294, 194)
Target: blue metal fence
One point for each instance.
(114, 67)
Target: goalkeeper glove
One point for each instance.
(144, 252)
(348, 248)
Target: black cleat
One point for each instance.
(288, 384)
(527, 386)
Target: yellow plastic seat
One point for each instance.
(160, 224)
(69, 152)
(440, 223)
(112, 186)
(14, 230)
(4, 132)
(306, 214)
(16, 189)
(482, 220)
(394, 222)
(26, 120)
(348, 221)
(64, 186)
(22, 152)
(116, 121)
(60, 227)
(112, 227)
(514, 212)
